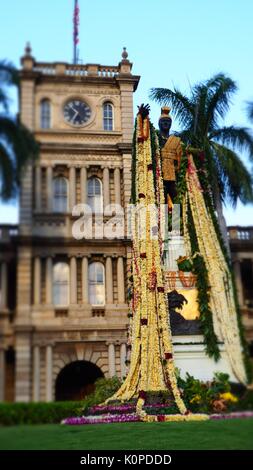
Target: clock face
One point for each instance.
(77, 112)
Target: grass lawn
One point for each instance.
(223, 434)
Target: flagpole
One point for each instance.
(75, 31)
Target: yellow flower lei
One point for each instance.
(152, 364)
(221, 294)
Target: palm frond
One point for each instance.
(20, 140)
(7, 174)
(249, 110)
(9, 75)
(181, 105)
(238, 182)
(3, 100)
(221, 88)
(238, 138)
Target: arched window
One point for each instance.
(96, 284)
(95, 197)
(61, 284)
(60, 194)
(108, 116)
(45, 114)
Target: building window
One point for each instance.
(61, 284)
(96, 284)
(60, 194)
(108, 116)
(95, 197)
(45, 114)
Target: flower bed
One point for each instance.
(102, 419)
(133, 417)
(233, 415)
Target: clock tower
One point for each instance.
(71, 319)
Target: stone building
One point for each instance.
(63, 306)
(63, 298)
(241, 245)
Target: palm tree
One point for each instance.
(17, 144)
(200, 116)
(249, 110)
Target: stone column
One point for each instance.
(117, 187)
(109, 280)
(83, 184)
(38, 188)
(2, 374)
(126, 95)
(23, 367)
(121, 280)
(24, 284)
(49, 280)
(85, 293)
(37, 281)
(49, 177)
(123, 353)
(49, 373)
(27, 116)
(106, 187)
(36, 373)
(73, 280)
(238, 280)
(72, 188)
(111, 360)
(4, 284)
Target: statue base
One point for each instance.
(190, 356)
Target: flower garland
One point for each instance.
(221, 289)
(199, 267)
(152, 365)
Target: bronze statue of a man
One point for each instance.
(171, 152)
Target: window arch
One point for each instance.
(108, 123)
(96, 283)
(61, 284)
(60, 194)
(95, 196)
(45, 114)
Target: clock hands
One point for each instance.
(77, 113)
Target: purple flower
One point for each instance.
(103, 419)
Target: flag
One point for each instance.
(76, 21)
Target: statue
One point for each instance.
(171, 152)
(179, 325)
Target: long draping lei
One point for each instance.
(152, 365)
(221, 289)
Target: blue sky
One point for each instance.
(169, 42)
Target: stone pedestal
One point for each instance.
(190, 356)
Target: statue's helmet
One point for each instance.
(165, 113)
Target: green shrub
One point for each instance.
(200, 396)
(55, 412)
(38, 413)
(105, 388)
(246, 402)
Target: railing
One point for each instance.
(107, 71)
(240, 233)
(78, 70)
(7, 232)
(44, 68)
